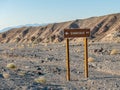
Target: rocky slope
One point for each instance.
(103, 28)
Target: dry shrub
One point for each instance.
(45, 44)
(114, 52)
(22, 45)
(28, 45)
(90, 59)
(40, 79)
(22, 73)
(11, 66)
(12, 49)
(63, 45)
(6, 75)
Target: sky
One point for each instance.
(21, 12)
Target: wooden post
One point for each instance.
(86, 57)
(67, 60)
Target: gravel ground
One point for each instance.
(48, 61)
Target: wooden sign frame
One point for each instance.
(75, 33)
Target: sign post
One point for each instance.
(86, 58)
(67, 60)
(75, 33)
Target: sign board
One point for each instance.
(73, 33)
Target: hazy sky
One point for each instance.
(20, 12)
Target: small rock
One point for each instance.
(38, 68)
(1, 76)
(40, 73)
(42, 61)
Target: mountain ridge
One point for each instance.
(103, 29)
(19, 26)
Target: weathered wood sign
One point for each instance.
(75, 33)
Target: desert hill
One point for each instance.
(103, 29)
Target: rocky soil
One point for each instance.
(48, 61)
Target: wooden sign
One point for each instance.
(73, 33)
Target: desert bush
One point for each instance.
(114, 52)
(11, 66)
(45, 44)
(22, 73)
(22, 45)
(40, 79)
(63, 45)
(11, 48)
(28, 45)
(91, 59)
(6, 75)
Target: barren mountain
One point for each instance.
(104, 28)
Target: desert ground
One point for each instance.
(47, 62)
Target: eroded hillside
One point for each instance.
(103, 28)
